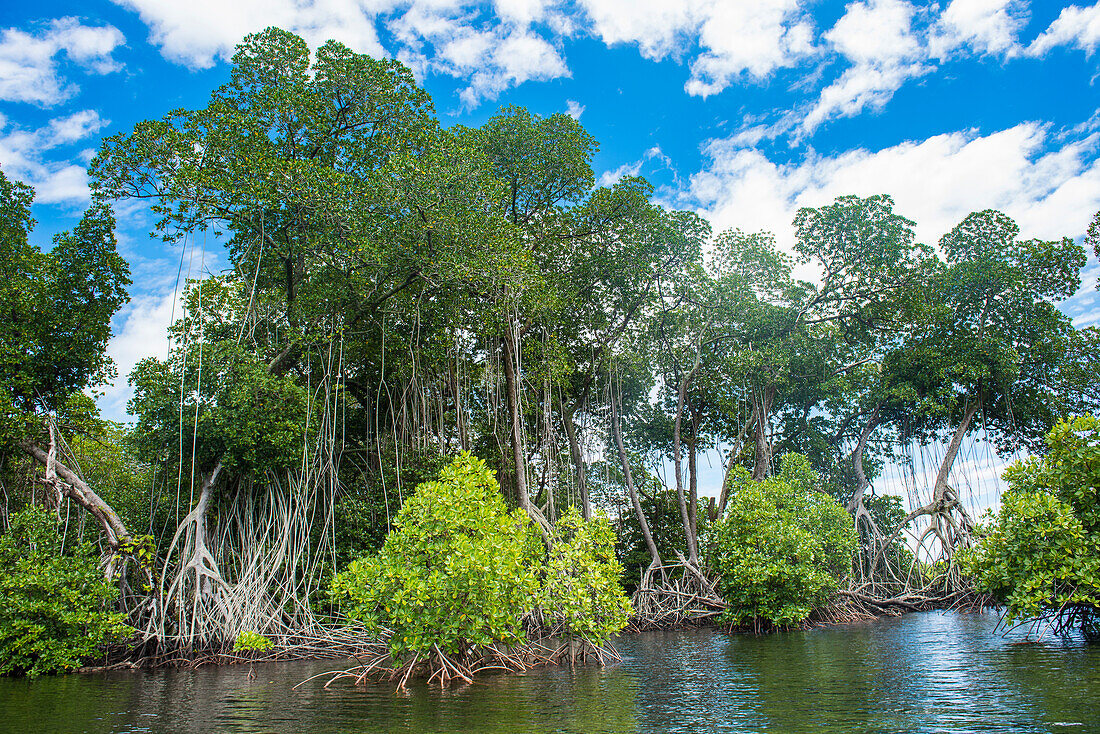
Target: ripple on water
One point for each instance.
(918, 673)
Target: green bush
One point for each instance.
(1040, 552)
(456, 571)
(249, 641)
(782, 547)
(54, 608)
(582, 589)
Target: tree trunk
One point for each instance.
(577, 456)
(942, 525)
(685, 517)
(857, 461)
(873, 546)
(77, 489)
(735, 451)
(762, 407)
(693, 473)
(616, 429)
(940, 491)
(511, 380)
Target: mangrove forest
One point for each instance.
(447, 409)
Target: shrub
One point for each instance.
(457, 571)
(582, 589)
(54, 608)
(781, 548)
(1040, 553)
(249, 641)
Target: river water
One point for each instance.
(919, 673)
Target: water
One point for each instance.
(920, 673)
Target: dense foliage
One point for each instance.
(782, 548)
(582, 591)
(55, 607)
(1041, 552)
(455, 572)
(56, 310)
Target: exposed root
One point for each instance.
(440, 668)
(196, 594)
(843, 611)
(322, 642)
(675, 594)
(1067, 618)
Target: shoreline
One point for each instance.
(835, 615)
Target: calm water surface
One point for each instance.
(929, 672)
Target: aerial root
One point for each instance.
(441, 668)
(675, 594)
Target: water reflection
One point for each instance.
(924, 672)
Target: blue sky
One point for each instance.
(743, 111)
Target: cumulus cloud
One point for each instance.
(889, 42)
(985, 26)
(142, 331)
(612, 177)
(658, 28)
(574, 109)
(490, 57)
(508, 61)
(1050, 187)
(23, 154)
(199, 32)
(1075, 27)
(748, 38)
(877, 37)
(734, 39)
(876, 32)
(454, 37)
(29, 61)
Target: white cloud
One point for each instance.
(1050, 191)
(889, 42)
(510, 61)
(522, 12)
(657, 27)
(199, 32)
(876, 32)
(574, 109)
(28, 62)
(1074, 26)
(143, 333)
(733, 38)
(612, 177)
(72, 128)
(877, 37)
(55, 181)
(748, 38)
(452, 37)
(491, 58)
(986, 26)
